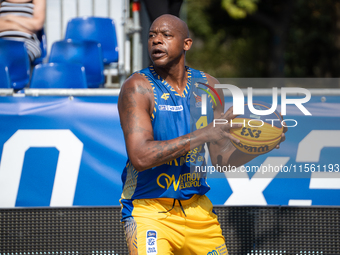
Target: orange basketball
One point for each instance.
(258, 134)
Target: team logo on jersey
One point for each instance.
(208, 92)
(151, 242)
(170, 108)
(198, 100)
(184, 181)
(165, 96)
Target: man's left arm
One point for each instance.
(223, 152)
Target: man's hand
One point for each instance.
(217, 132)
(283, 136)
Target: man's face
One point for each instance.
(166, 42)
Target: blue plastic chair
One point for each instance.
(58, 76)
(13, 54)
(5, 81)
(86, 53)
(43, 46)
(97, 29)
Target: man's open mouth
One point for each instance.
(158, 53)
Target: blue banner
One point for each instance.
(70, 151)
(60, 151)
(303, 172)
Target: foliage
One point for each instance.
(313, 44)
(239, 8)
(225, 46)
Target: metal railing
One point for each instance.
(115, 92)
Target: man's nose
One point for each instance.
(157, 39)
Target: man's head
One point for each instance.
(168, 40)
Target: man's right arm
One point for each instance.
(135, 105)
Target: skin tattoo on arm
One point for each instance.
(172, 150)
(129, 104)
(141, 90)
(134, 107)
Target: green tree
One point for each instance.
(313, 43)
(239, 8)
(224, 46)
(282, 38)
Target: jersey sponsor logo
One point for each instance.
(170, 108)
(151, 234)
(165, 96)
(213, 252)
(187, 180)
(193, 157)
(151, 242)
(222, 249)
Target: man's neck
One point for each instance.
(176, 76)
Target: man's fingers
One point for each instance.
(235, 126)
(285, 128)
(228, 115)
(283, 138)
(228, 135)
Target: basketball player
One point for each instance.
(164, 207)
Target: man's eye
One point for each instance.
(167, 35)
(151, 35)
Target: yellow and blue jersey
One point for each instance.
(174, 115)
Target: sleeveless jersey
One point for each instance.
(31, 40)
(174, 115)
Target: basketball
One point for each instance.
(259, 134)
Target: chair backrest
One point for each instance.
(58, 76)
(5, 81)
(97, 29)
(43, 46)
(13, 54)
(86, 53)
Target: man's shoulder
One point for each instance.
(136, 86)
(135, 80)
(211, 80)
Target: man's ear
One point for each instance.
(187, 44)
